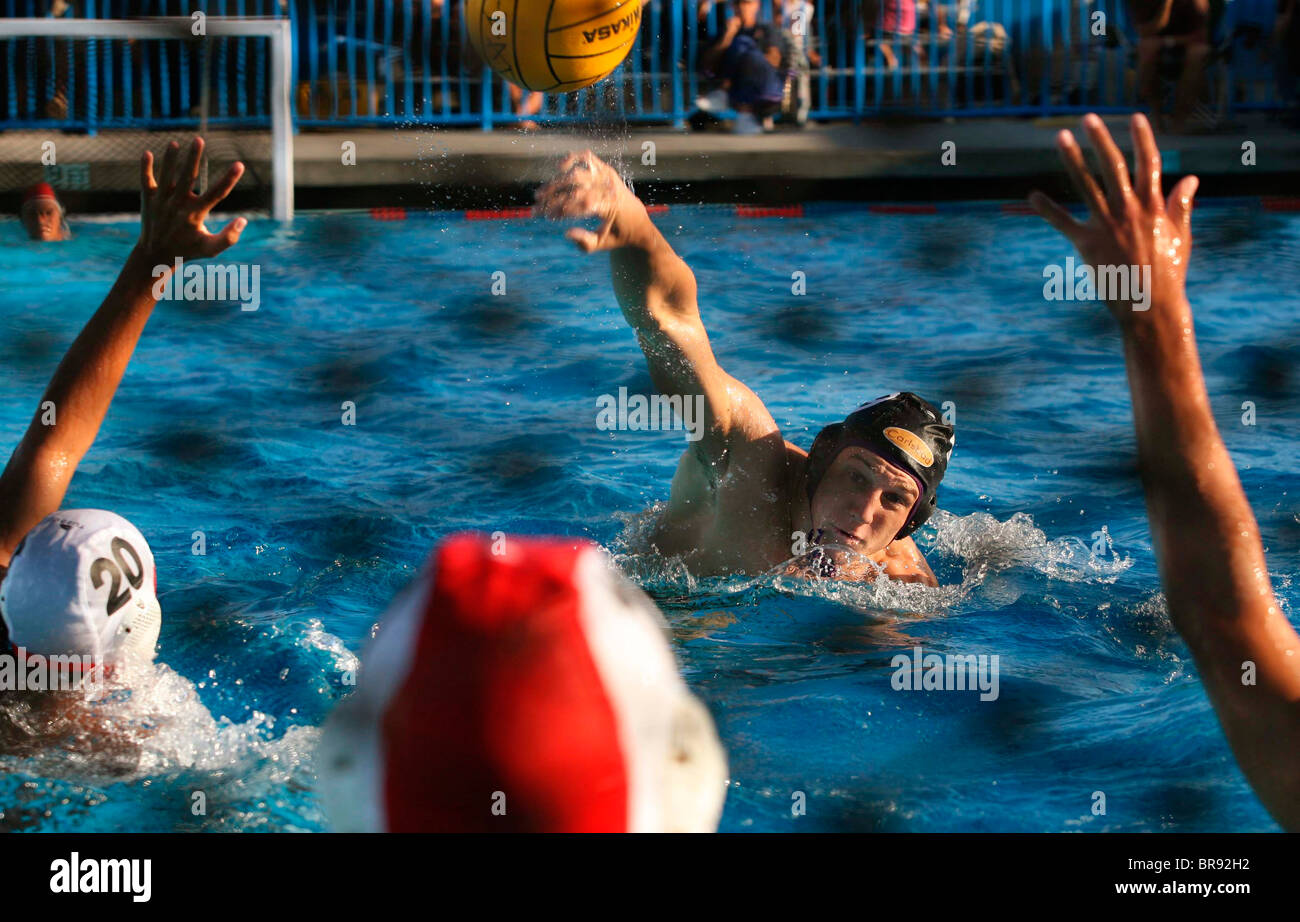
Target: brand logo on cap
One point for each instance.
(911, 445)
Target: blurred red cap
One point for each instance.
(39, 190)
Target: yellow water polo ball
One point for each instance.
(553, 46)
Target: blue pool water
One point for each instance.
(478, 412)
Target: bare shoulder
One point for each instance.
(749, 422)
(903, 561)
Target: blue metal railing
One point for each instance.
(409, 62)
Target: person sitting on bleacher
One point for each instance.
(932, 19)
(1286, 36)
(1178, 25)
(747, 57)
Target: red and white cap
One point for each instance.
(34, 195)
(527, 690)
(82, 583)
(37, 192)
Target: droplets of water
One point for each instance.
(986, 545)
(997, 562)
(148, 723)
(147, 739)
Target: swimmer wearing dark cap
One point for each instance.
(743, 499)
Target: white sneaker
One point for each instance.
(746, 124)
(713, 102)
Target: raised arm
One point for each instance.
(1285, 10)
(656, 290)
(713, 54)
(1206, 539)
(35, 480)
(1153, 26)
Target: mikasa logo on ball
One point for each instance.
(628, 23)
(911, 445)
(553, 46)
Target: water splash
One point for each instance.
(987, 546)
(994, 559)
(148, 740)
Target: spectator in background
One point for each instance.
(796, 20)
(42, 214)
(1177, 26)
(56, 107)
(898, 23)
(747, 57)
(932, 18)
(1286, 37)
(527, 103)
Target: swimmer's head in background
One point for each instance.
(530, 690)
(906, 431)
(42, 214)
(83, 583)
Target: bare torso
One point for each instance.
(741, 519)
(737, 496)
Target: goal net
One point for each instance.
(82, 99)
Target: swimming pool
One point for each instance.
(477, 411)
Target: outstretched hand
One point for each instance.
(1128, 225)
(588, 187)
(172, 216)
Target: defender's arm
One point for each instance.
(38, 473)
(1206, 539)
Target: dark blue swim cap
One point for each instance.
(902, 428)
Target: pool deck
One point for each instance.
(893, 159)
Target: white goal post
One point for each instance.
(179, 27)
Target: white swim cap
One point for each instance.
(529, 690)
(83, 583)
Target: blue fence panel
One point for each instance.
(374, 62)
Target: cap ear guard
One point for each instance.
(824, 449)
(924, 509)
(140, 637)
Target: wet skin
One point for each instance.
(37, 475)
(1206, 539)
(43, 221)
(39, 471)
(739, 501)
